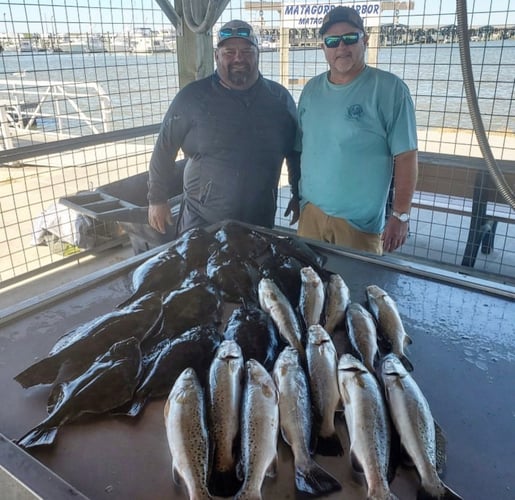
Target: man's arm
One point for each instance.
(293, 164)
(405, 181)
(163, 171)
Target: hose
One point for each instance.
(472, 101)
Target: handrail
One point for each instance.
(24, 101)
(24, 152)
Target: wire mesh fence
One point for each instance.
(72, 71)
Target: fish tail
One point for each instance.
(43, 372)
(330, 446)
(443, 493)
(407, 363)
(136, 407)
(224, 483)
(39, 436)
(314, 480)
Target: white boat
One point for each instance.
(147, 41)
(81, 44)
(25, 45)
(149, 46)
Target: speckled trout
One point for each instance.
(296, 423)
(322, 361)
(259, 426)
(225, 389)
(384, 309)
(361, 329)
(187, 433)
(337, 299)
(414, 422)
(312, 296)
(275, 303)
(367, 424)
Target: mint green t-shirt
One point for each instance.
(349, 135)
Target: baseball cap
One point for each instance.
(237, 29)
(342, 15)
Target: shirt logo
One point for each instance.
(355, 112)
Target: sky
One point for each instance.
(43, 16)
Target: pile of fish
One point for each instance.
(234, 382)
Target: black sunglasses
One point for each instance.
(333, 41)
(227, 32)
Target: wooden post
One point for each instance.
(195, 58)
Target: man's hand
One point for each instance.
(159, 216)
(395, 234)
(293, 208)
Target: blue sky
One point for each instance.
(121, 15)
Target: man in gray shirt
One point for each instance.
(235, 128)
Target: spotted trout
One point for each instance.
(322, 362)
(367, 424)
(187, 434)
(362, 334)
(296, 424)
(312, 296)
(225, 389)
(259, 426)
(384, 309)
(275, 303)
(337, 300)
(414, 422)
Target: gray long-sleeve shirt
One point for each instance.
(235, 142)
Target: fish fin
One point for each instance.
(39, 436)
(330, 446)
(441, 449)
(135, 296)
(443, 493)
(407, 363)
(224, 483)
(356, 465)
(136, 407)
(313, 479)
(44, 371)
(272, 468)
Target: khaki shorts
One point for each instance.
(317, 225)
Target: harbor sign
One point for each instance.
(310, 14)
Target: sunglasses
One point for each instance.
(227, 32)
(333, 41)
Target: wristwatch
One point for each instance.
(403, 217)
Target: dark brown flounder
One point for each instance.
(197, 302)
(193, 349)
(194, 247)
(255, 333)
(77, 349)
(161, 273)
(109, 382)
(294, 247)
(241, 240)
(236, 278)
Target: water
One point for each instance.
(142, 86)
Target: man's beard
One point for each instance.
(239, 76)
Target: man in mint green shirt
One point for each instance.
(357, 129)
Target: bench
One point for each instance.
(462, 185)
